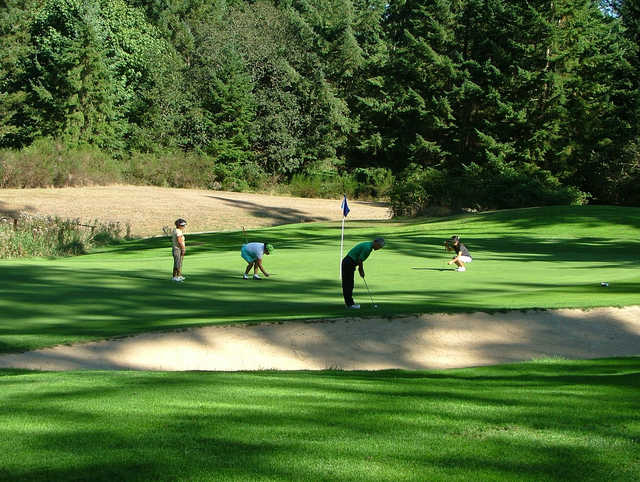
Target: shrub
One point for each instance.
(239, 177)
(49, 163)
(421, 188)
(323, 185)
(29, 236)
(621, 185)
(170, 169)
(495, 186)
(373, 182)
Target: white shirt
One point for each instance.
(256, 250)
(177, 233)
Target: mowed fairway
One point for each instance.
(523, 259)
(553, 420)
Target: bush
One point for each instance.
(421, 188)
(29, 236)
(621, 185)
(48, 163)
(170, 169)
(239, 177)
(373, 182)
(323, 185)
(495, 186)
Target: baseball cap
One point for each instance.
(181, 222)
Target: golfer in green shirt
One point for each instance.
(354, 258)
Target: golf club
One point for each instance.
(368, 291)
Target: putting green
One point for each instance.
(523, 259)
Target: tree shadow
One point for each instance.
(75, 309)
(277, 215)
(565, 421)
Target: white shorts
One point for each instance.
(466, 259)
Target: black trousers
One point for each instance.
(348, 272)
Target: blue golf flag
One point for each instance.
(345, 207)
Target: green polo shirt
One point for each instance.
(361, 251)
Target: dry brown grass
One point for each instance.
(148, 209)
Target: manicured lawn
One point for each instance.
(553, 420)
(527, 258)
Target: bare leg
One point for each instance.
(457, 261)
(249, 266)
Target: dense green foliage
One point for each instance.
(552, 257)
(542, 96)
(551, 420)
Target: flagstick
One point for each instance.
(341, 246)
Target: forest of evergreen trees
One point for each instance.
(467, 103)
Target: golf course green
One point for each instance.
(550, 419)
(536, 258)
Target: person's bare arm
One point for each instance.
(361, 269)
(183, 248)
(259, 263)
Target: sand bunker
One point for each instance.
(412, 342)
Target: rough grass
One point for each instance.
(523, 259)
(38, 236)
(551, 420)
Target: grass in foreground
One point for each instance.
(549, 420)
(523, 259)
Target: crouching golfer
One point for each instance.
(462, 253)
(179, 248)
(252, 253)
(354, 258)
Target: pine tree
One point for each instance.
(15, 16)
(422, 73)
(71, 94)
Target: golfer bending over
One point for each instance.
(462, 253)
(354, 258)
(177, 237)
(252, 253)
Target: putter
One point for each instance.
(368, 291)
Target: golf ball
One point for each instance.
(375, 306)
(604, 283)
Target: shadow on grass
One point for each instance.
(524, 248)
(556, 421)
(49, 305)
